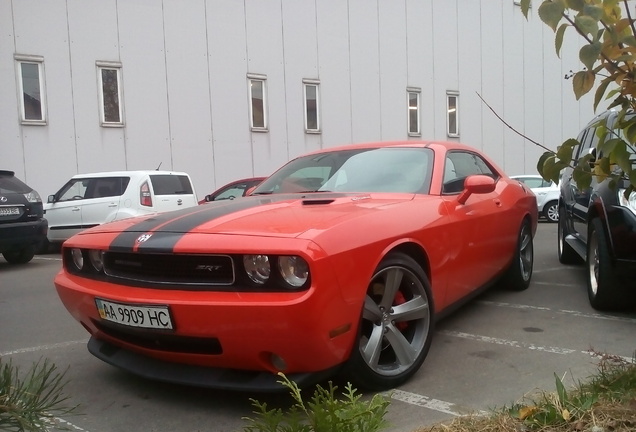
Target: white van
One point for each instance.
(87, 200)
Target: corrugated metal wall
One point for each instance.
(185, 96)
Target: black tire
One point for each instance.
(603, 290)
(518, 275)
(21, 256)
(566, 254)
(551, 211)
(396, 327)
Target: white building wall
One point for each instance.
(185, 68)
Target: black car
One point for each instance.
(597, 225)
(22, 223)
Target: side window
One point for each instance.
(258, 102)
(413, 103)
(74, 190)
(588, 141)
(312, 105)
(108, 187)
(109, 79)
(459, 165)
(452, 113)
(236, 190)
(30, 72)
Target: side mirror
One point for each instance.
(50, 199)
(208, 198)
(476, 184)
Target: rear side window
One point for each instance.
(10, 184)
(108, 187)
(168, 184)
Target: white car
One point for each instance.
(87, 200)
(547, 193)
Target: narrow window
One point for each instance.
(453, 114)
(109, 81)
(312, 106)
(413, 96)
(30, 70)
(258, 103)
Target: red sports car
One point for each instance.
(340, 262)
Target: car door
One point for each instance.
(63, 210)
(102, 200)
(577, 201)
(477, 229)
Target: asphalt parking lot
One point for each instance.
(490, 353)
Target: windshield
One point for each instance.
(394, 169)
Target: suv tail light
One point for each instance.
(145, 198)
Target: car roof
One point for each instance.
(405, 143)
(135, 173)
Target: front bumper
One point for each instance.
(221, 339)
(199, 376)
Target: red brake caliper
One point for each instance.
(399, 299)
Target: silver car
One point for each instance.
(547, 193)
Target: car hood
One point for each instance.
(274, 215)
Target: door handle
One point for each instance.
(112, 205)
(76, 209)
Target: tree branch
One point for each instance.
(513, 129)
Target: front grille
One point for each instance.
(161, 341)
(170, 269)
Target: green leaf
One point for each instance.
(620, 155)
(600, 91)
(589, 54)
(551, 12)
(582, 175)
(563, 396)
(576, 5)
(542, 161)
(525, 7)
(593, 11)
(558, 39)
(582, 83)
(564, 151)
(586, 24)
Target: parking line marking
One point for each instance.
(69, 424)
(43, 347)
(511, 343)
(426, 402)
(47, 258)
(563, 311)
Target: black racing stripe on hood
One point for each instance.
(174, 225)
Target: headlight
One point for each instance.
(257, 268)
(78, 258)
(630, 202)
(294, 270)
(97, 259)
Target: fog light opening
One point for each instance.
(278, 362)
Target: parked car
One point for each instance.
(547, 193)
(597, 225)
(233, 190)
(22, 225)
(341, 261)
(88, 200)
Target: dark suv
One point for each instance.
(22, 225)
(597, 225)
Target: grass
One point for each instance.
(606, 402)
